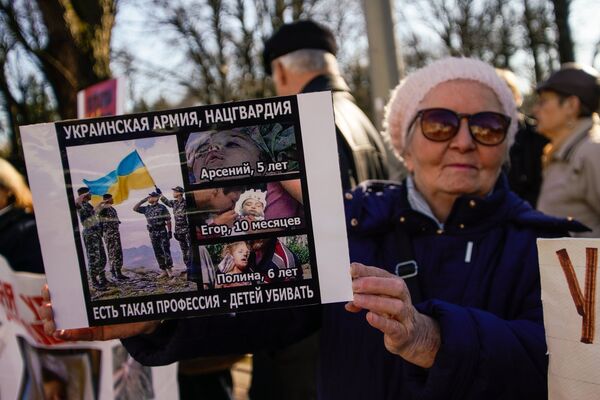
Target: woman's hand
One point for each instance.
(407, 333)
(119, 331)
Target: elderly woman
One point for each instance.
(450, 307)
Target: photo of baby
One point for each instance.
(243, 210)
(251, 205)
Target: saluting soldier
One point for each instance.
(109, 220)
(159, 229)
(182, 231)
(92, 238)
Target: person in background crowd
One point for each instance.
(567, 113)
(525, 169)
(19, 242)
(451, 307)
(300, 57)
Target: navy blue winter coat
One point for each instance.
(486, 300)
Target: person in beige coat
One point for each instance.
(566, 112)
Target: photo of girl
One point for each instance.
(235, 258)
(252, 262)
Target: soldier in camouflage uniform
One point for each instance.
(109, 220)
(182, 230)
(159, 229)
(92, 238)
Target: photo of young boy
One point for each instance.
(212, 155)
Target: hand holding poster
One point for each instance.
(569, 273)
(36, 366)
(198, 211)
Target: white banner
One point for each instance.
(251, 217)
(568, 269)
(35, 366)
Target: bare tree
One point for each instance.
(565, 42)
(491, 30)
(66, 44)
(224, 52)
(461, 26)
(596, 55)
(69, 41)
(24, 100)
(540, 44)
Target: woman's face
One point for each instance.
(224, 149)
(553, 114)
(460, 165)
(253, 207)
(240, 253)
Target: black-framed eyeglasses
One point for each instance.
(488, 128)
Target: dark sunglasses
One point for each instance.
(439, 125)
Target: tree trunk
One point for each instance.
(77, 53)
(532, 37)
(565, 42)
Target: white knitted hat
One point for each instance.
(405, 98)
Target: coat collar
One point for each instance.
(335, 83)
(580, 131)
(376, 206)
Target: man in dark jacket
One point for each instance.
(300, 57)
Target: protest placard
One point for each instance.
(102, 99)
(36, 366)
(197, 211)
(568, 269)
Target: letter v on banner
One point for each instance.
(585, 304)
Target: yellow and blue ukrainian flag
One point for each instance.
(131, 173)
